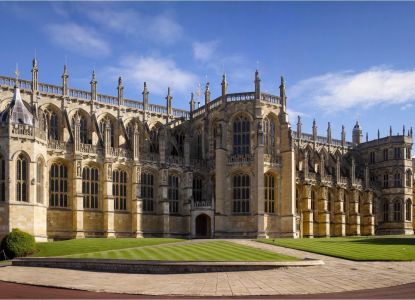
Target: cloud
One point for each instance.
(203, 51)
(161, 28)
(83, 40)
(345, 90)
(159, 73)
(293, 115)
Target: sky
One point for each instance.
(342, 61)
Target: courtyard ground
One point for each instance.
(191, 251)
(379, 248)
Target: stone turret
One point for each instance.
(120, 89)
(357, 134)
(168, 103)
(283, 96)
(207, 94)
(65, 77)
(257, 85)
(192, 103)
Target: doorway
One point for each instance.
(203, 226)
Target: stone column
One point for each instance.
(107, 138)
(259, 181)
(354, 216)
(136, 143)
(323, 213)
(187, 200)
(136, 203)
(78, 200)
(108, 203)
(77, 139)
(368, 220)
(221, 161)
(307, 213)
(339, 215)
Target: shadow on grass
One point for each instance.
(385, 241)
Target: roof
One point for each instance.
(16, 112)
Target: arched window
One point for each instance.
(83, 131)
(2, 179)
(39, 181)
(241, 188)
(119, 189)
(53, 126)
(22, 170)
(198, 146)
(90, 187)
(397, 180)
(177, 148)
(385, 211)
(241, 139)
(269, 188)
(173, 193)
(102, 127)
(408, 210)
(408, 178)
(269, 136)
(197, 189)
(147, 191)
(58, 195)
(385, 180)
(397, 211)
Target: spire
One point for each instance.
(17, 73)
(257, 85)
(329, 133)
(35, 71)
(120, 89)
(16, 111)
(168, 102)
(65, 77)
(403, 130)
(378, 134)
(207, 94)
(224, 85)
(367, 137)
(343, 136)
(390, 130)
(299, 126)
(93, 86)
(145, 96)
(192, 102)
(411, 131)
(283, 96)
(314, 130)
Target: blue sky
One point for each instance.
(341, 61)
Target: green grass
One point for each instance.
(94, 244)
(203, 251)
(391, 248)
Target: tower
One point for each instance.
(357, 134)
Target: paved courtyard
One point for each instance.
(337, 275)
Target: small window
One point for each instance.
(397, 152)
(197, 189)
(397, 180)
(241, 194)
(408, 153)
(58, 185)
(385, 154)
(385, 211)
(397, 211)
(119, 189)
(269, 188)
(147, 191)
(22, 178)
(408, 210)
(90, 187)
(385, 180)
(372, 158)
(173, 193)
(241, 141)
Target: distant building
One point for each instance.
(81, 164)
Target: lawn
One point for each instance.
(87, 245)
(391, 248)
(199, 251)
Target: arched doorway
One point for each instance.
(203, 226)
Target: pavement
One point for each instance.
(337, 275)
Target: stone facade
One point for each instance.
(81, 164)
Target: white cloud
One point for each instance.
(203, 51)
(344, 90)
(293, 116)
(159, 73)
(83, 40)
(160, 28)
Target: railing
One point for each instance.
(120, 152)
(21, 129)
(107, 99)
(88, 148)
(133, 104)
(202, 204)
(50, 89)
(272, 158)
(79, 94)
(240, 97)
(150, 157)
(157, 109)
(270, 98)
(320, 139)
(240, 159)
(176, 160)
(56, 145)
(342, 180)
(180, 113)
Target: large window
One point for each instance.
(58, 185)
(408, 210)
(173, 193)
(269, 188)
(241, 136)
(83, 131)
(385, 211)
(397, 211)
(147, 191)
(241, 193)
(197, 189)
(39, 181)
(2, 179)
(22, 178)
(53, 126)
(397, 180)
(90, 187)
(269, 136)
(119, 189)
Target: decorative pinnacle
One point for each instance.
(207, 86)
(298, 119)
(17, 73)
(119, 81)
(34, 63)
(94, 80)
(282, 81)
(65, 70)
(224, 79)
(145, 91)
(328, 125)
